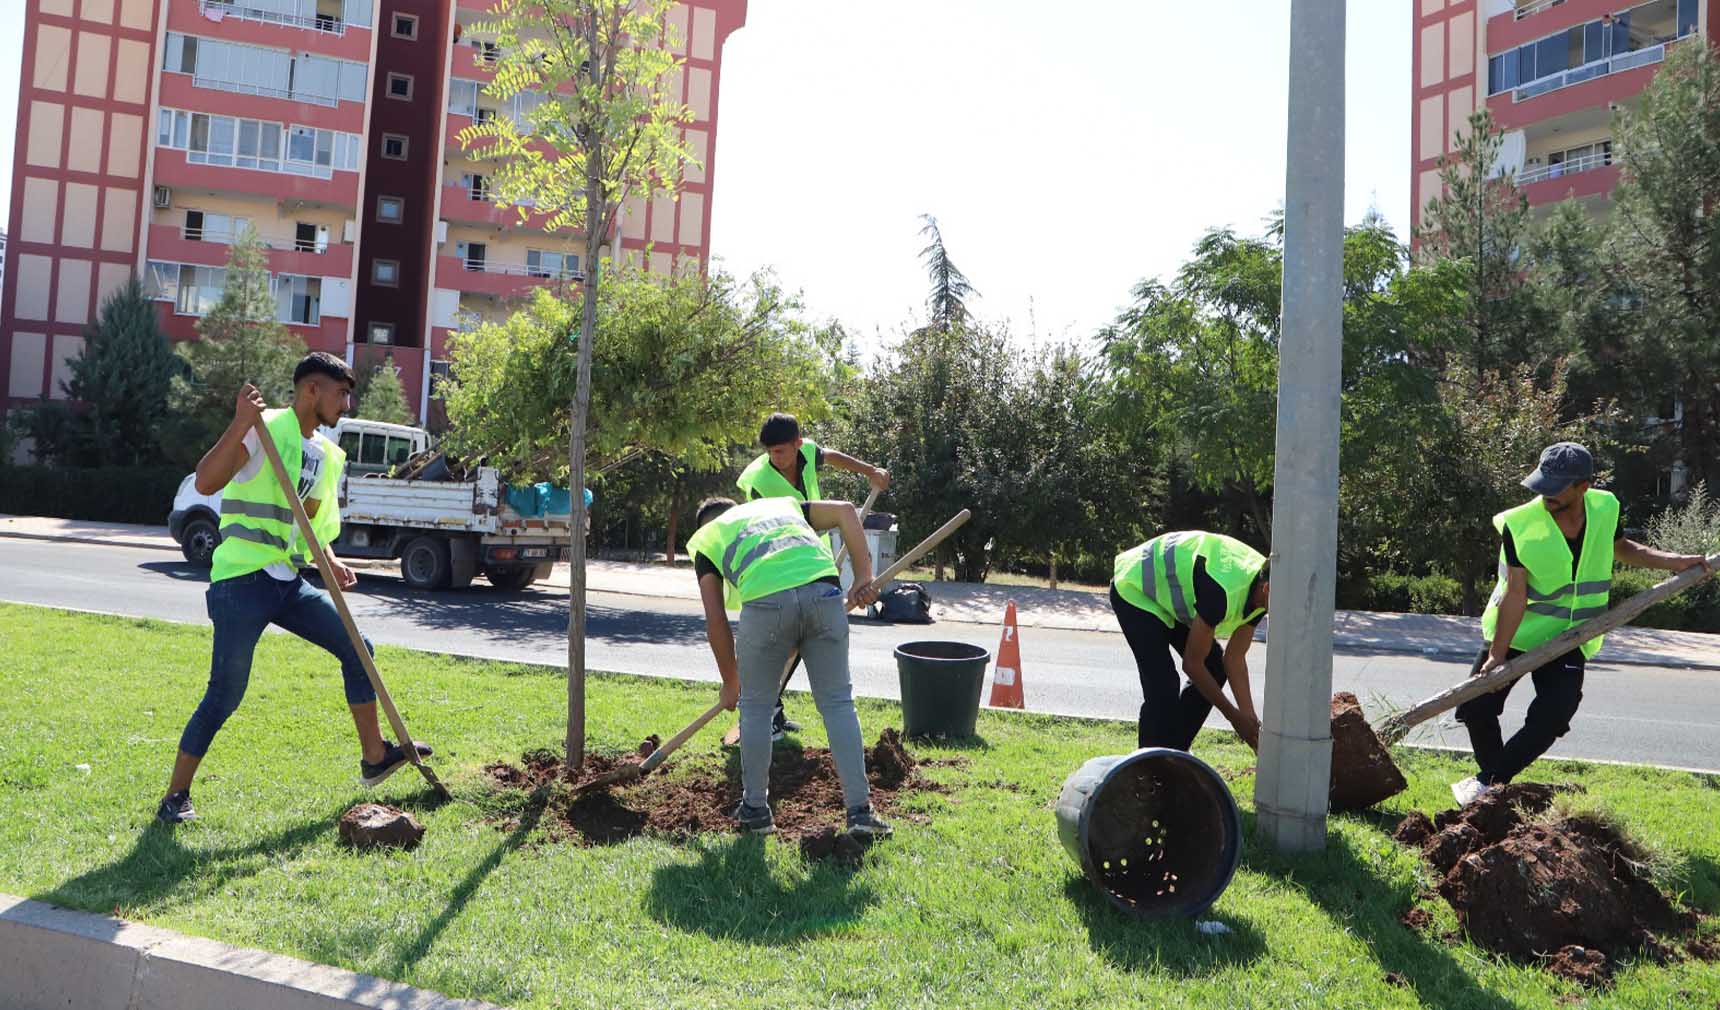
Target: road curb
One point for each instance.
(55, 958)
(98, 541)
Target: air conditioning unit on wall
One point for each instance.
(163, 197)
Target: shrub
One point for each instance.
(1692, 610)
(115, 494)
(1394, 592)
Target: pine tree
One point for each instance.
(241, 340)
(380, 396)
(122, 375)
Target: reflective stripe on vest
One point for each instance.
(256, 510)
(1556, 601)
(763, 547)
(257, 528)
(1157, 576)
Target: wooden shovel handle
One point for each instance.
(673, 743)
(1394, 728)
(921, 549)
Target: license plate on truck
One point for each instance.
(531, 553)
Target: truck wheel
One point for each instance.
(198, 542)
(424, 563)
(510, 580)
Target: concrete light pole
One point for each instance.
(1295, 739)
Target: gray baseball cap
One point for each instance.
(1562, 465)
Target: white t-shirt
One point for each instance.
(309, 471)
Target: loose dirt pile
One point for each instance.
(1568, 892)
(1363, 773)
(697, 796)
(377, 825)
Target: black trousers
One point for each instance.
(1171, 713)
(1558, 692)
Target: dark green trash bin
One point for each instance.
(941, 684)
(1157, 831)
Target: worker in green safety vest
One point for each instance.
(254, 579)
(1181, 593)
(788, 468)
(766, 557)
(1556, 558)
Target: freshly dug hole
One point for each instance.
(697, 795)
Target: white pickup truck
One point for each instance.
(444, 533)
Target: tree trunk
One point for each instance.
(1471, 599)
(594, 216)
(938, 571)
(674, 519)
(1054, 570)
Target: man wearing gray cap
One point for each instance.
(1555, 571)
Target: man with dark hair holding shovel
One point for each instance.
(766, 557)
(1555, 571)
(788, 468)
(1182, 592)
(254, 578)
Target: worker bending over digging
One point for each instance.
(1556, 559)
(1182, 592)
(788, 468)
(766, 556)
(254, 578)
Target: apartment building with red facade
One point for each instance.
(151, 132)
(1552, 72)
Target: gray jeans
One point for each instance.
(812, 619)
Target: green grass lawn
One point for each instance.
(976, 907)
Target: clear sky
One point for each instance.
(1067, 150)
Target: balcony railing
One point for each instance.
(1570, 166)
(1590, 71)
(327, 24)
(1527, 7)
(276, 242)
(479, 266)
(262, 91)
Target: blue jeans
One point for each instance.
(240, 609)
(813, 620)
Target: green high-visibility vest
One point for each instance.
(256, 517)
(1556, 601)
(763, 547)
(1158, 577)
(761, 480)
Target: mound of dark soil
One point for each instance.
(697, 796)
(1567, 892)
(1363, 772)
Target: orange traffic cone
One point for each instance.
(1006, 682)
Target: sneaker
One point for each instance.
(754, 820)
(176, 808)
(375, 773)
(1469, 790)
(780, 723)
(862, 821)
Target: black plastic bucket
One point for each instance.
(1157, 831)
(941, 684)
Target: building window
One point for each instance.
(311, 238)
(486, 115)
(472, 254)
(477, 186)
(486, 53)
(395, 146)
(406, 26)
(551, 264)
(463, 97)
(390, 209)
(381, 333)
(400, 86)
(439, 373)
(222, 228)
(385, 273)
(299, 299)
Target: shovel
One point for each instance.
(628, 774)
(1397, 726)
(327, 571)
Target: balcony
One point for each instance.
(1592, 71)
(327, 34)
(459, 205)
(175, 172)
(226, 98)
(210, 248)
(500, 280)
(1570, 166)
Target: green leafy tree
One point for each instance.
(1480, 223)
(240, 340)
(122, 377)
(379, 396)
(604, 129)
(946, 305)
(1666, 241)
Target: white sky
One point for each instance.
(1067, 150)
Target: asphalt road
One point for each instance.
(1642, 714)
